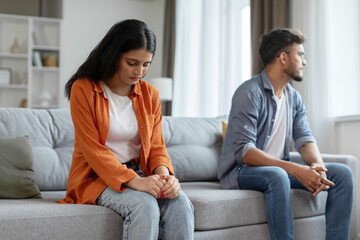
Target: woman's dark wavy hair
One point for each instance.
(103, 60)
(274, 42)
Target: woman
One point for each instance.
(120, 159)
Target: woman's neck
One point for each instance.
(118, 88)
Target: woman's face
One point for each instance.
(133, 65)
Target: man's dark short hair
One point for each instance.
(274, 42)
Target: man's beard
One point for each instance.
(297, 78)
(293, 75)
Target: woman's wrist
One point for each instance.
(161, 170)
(132, 182)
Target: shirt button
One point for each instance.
(273, 120)
(268, 136)
(146, 142)
(142, 127)
(138, 112)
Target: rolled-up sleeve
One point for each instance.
(244, 122)
(301, 128)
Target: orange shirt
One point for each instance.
(94, 166)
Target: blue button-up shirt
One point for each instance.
(251, 121)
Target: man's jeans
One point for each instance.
(146, 217)
(276, 185)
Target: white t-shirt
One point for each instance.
(123, 137)
(276, 143)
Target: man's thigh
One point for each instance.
(259, 178)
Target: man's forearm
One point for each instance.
(310, 154)
(257, 157)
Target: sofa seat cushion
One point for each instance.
(217, 208)
(31, 218)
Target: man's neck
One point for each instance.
(278, 80)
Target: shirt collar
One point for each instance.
(97, 87)
(267, 84)
(136, 90)
(266, 81)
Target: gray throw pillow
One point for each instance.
(16, 168)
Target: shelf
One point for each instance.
(13, 86)
(46, 69)
(46, 20)
(38, 37)
(39, 106)
(14, 55)
(46, 48)
(14, 18)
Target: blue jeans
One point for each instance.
(146, 217)
(276, 184)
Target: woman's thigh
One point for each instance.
(129, 201)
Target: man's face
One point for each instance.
(297, 62)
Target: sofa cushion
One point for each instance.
(52, 138)
(194, 146)
(217, 208)
(46, 219)
(16, 168)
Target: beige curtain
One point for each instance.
(169, 47)
(265, 16)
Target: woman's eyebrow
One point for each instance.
(132, 59)
(135, 60)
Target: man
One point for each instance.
(267, 114)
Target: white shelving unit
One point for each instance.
(33, 84)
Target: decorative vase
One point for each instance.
(45, 99)
(15, 47)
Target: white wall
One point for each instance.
(347, 142)
(85, 22)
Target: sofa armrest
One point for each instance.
(348, 160)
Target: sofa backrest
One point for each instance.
(193, 144)
(52, 137)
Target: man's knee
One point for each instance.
(278, 177)
(340, 172)
(279, 174)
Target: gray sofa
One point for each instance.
(194, 145)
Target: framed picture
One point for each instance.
(5, 75)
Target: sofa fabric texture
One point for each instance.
(193, 144)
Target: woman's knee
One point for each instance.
(146, 206)
(178, 216)
(184, 205)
